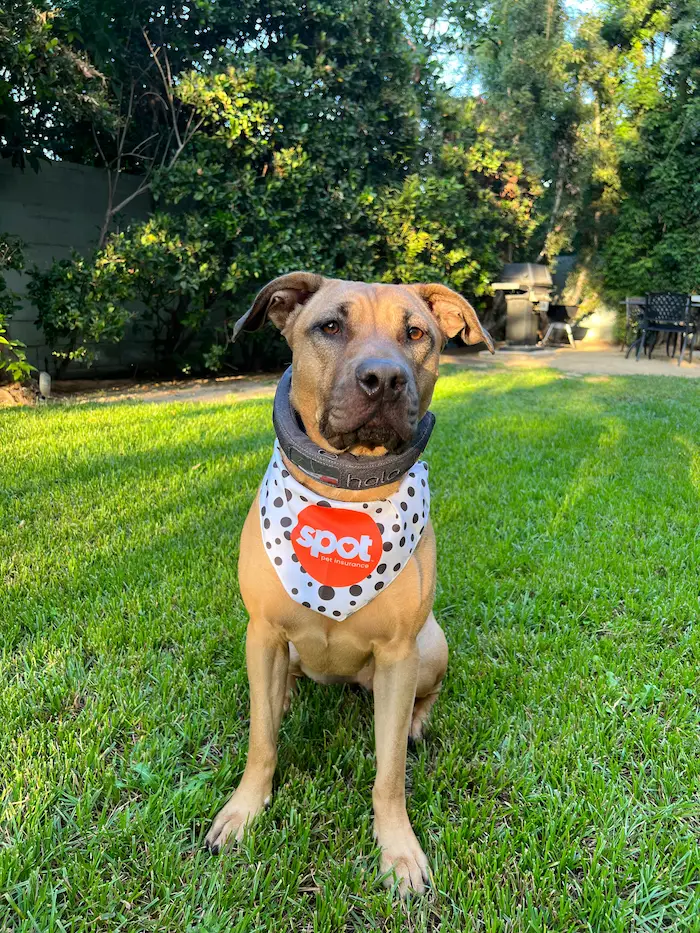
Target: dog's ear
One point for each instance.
(454, 314)
(278, 299)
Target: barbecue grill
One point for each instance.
(527, 290)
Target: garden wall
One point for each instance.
(59, 209)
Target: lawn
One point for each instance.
(558, 787)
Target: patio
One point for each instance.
(586, 360)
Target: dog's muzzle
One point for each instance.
(342, 470)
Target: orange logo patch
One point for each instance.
(337, 547)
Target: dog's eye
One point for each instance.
(331, 327)
(415, 333)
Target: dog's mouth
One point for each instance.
(385, 427)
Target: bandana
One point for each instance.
(334, 557)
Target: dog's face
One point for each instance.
(365, 357)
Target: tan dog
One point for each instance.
(365, 362)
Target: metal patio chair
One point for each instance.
(559, 318)
(667, 313)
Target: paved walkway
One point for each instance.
(598, 361)
(594, 361)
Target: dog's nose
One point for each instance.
(381, 379)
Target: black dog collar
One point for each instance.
(344, 471)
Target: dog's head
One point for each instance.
(364, 356)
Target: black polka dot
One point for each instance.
(415, 518)
(321, 608)
(295, 591)
(355, 590)
(352, 602)
(397, 567)
(387, 546)
(308, 605)
(364, 505)
(266, 523)
(303, 498)
(309, 583)
(404, 506)
(268, 545)
(381, 568)
(411, 491)
(278, 503)
(379, 586)
(278, 540)
(323, 504)
(295, 558)
(396, 527)
(412, 474)
(413, 537)
(402, 542)
(285, 473)
(379, 511)
(302, 569)
(286, 522)
(278, 561)
(326, 592)
(336, 613)
(380, 527)
(422, 482)
(288, 535)
(288, 494)
(262, 511)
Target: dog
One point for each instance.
(364, 365)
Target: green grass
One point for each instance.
(558, 788)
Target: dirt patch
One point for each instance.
(15, 394)
(219, 388)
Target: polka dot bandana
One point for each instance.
(334, 557)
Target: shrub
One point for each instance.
(13, 358)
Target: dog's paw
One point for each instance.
(420, 717)
(231, 822)
(403, 861)
(416, 733)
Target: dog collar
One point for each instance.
(343, 470)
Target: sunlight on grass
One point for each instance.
(557, 789)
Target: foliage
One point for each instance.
(80, 304)
(654, 243)
(46, 85)
(13, 358)
(309, 163)
(457, 221)
(321, 135)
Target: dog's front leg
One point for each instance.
(394, 693)
(267, 660)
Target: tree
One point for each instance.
(46, 86)
(329, 146)
(654, 242)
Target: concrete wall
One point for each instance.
(55, 211)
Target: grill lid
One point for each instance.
(525, 276)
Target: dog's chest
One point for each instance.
(336, 557)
